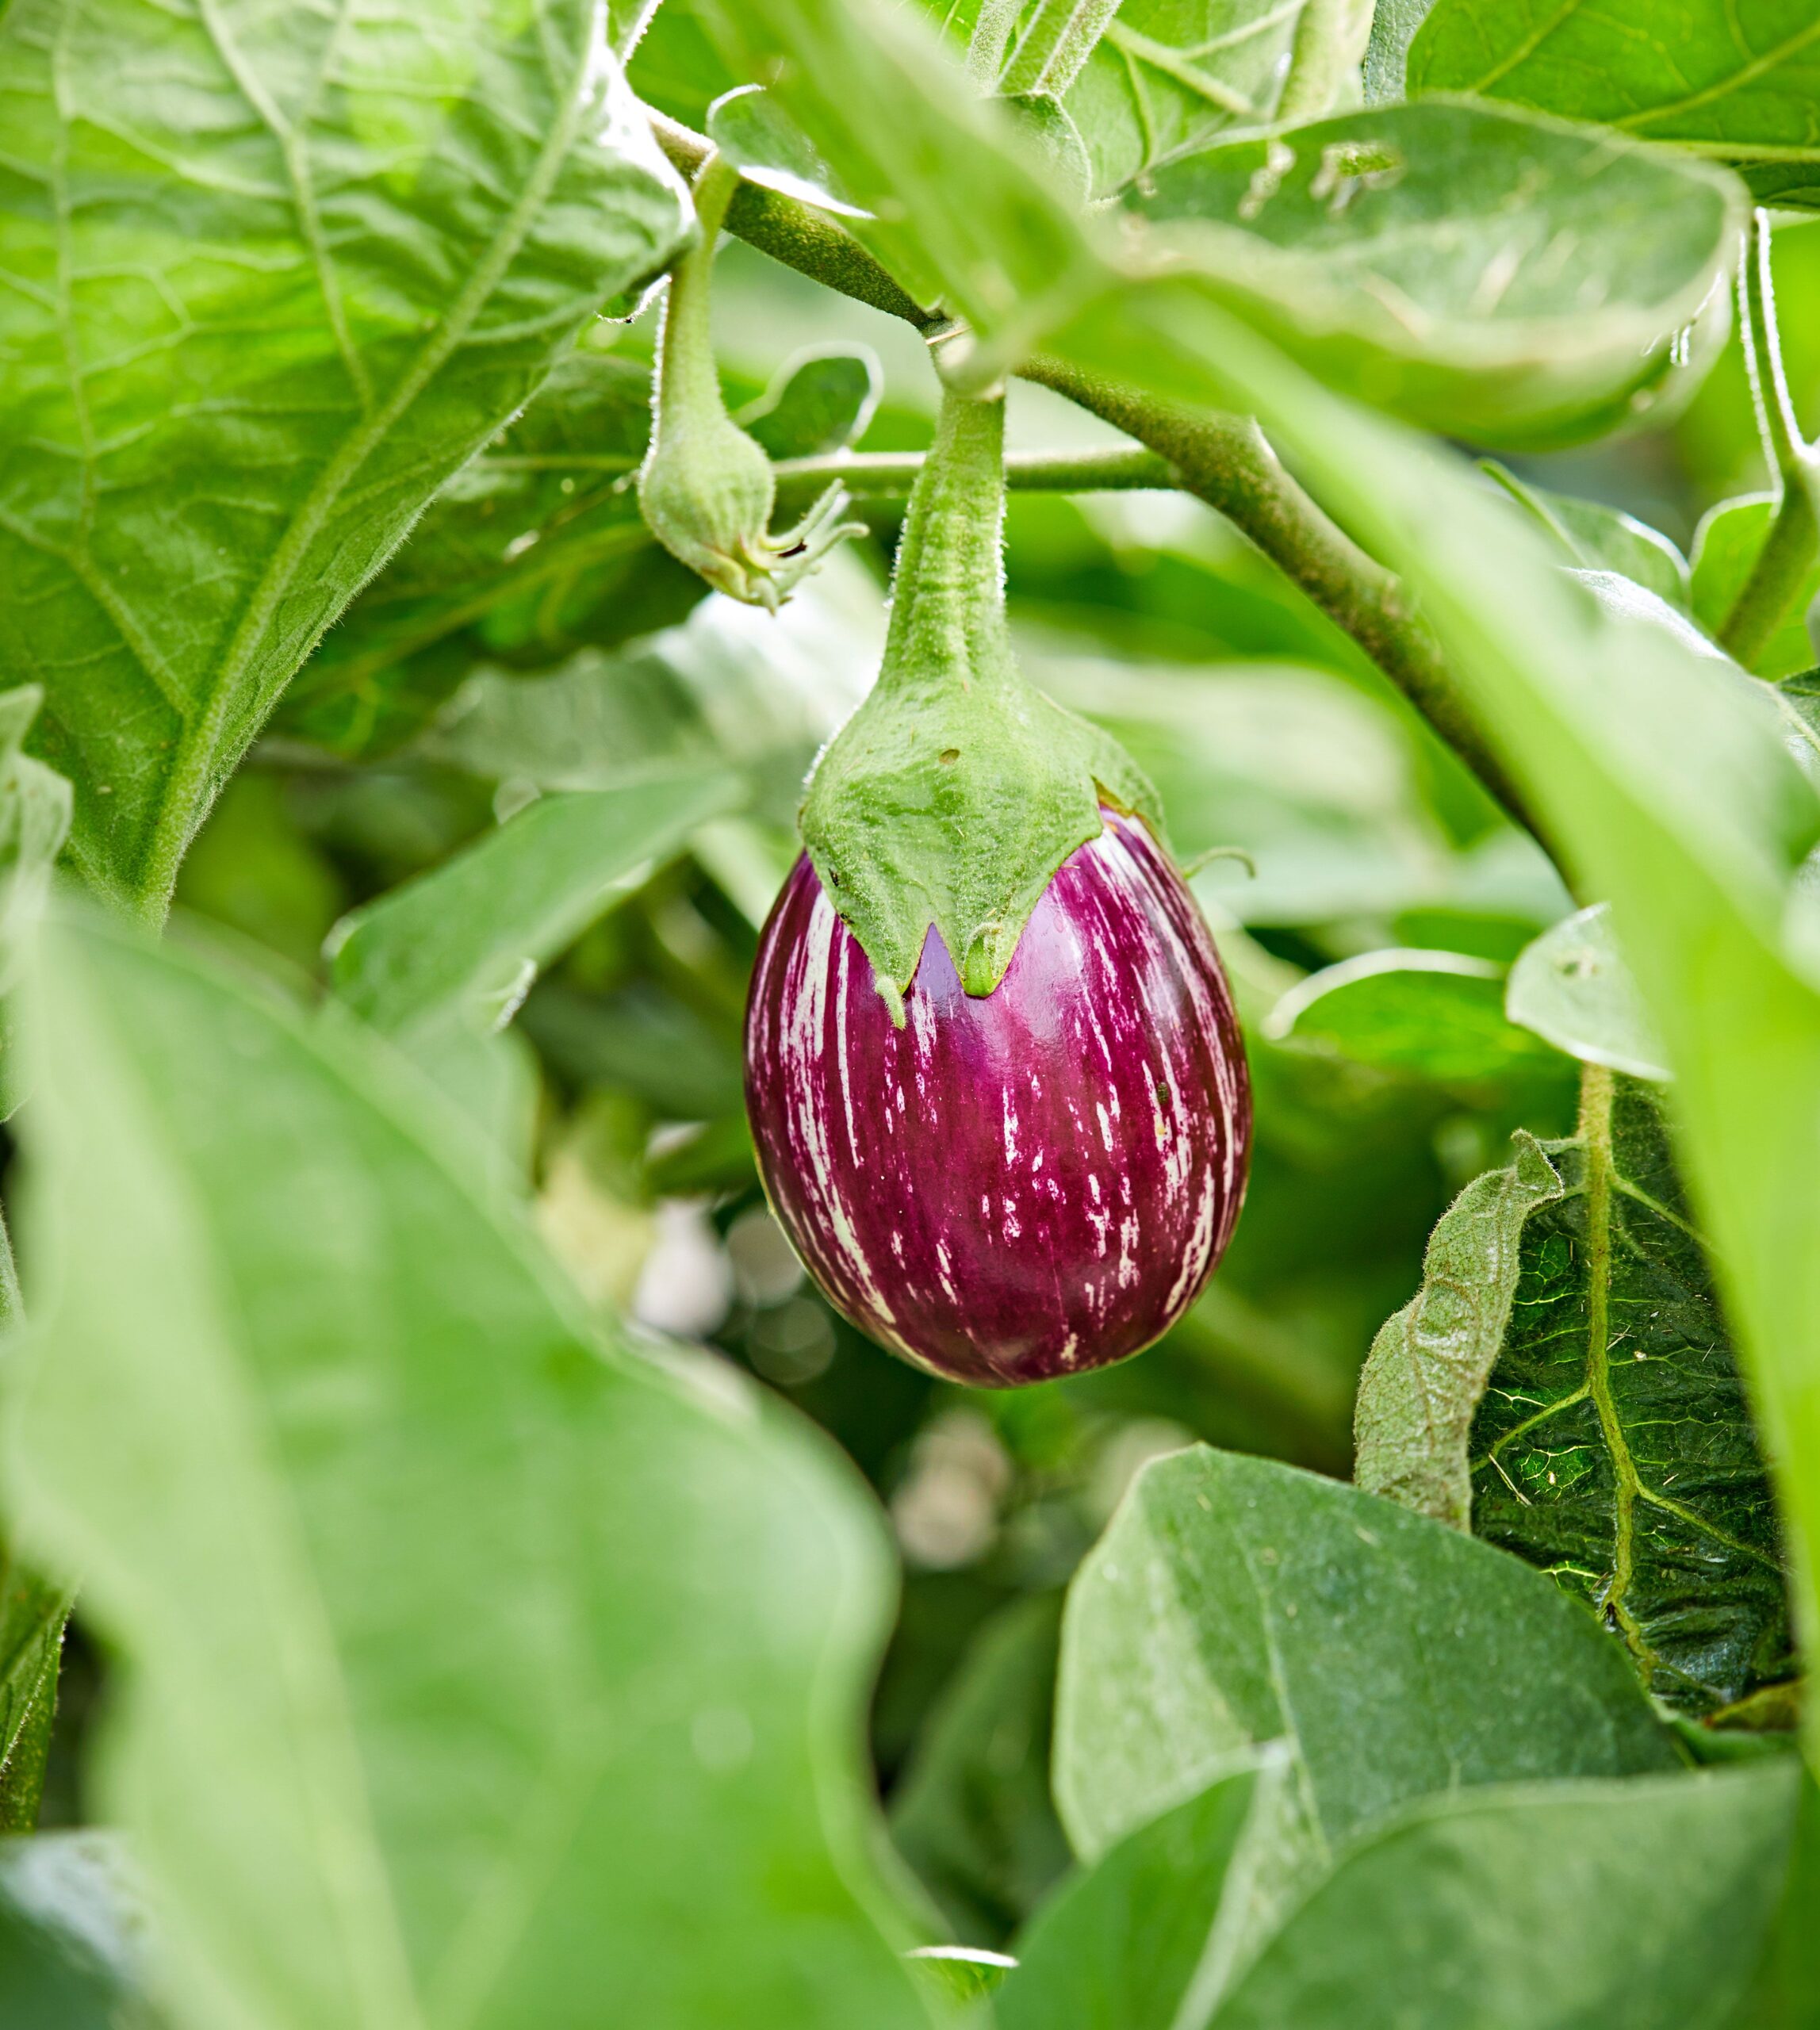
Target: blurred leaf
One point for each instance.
(71, 1942)
(609, 1596)
(1572, 986)
(958, 1973)
(1600, 538)
(1312, 780)
(1234, 1601)
(819, 402)
(972, 1813)
(469, 936)
(1737, 84)
(1483, 272)
(1628, 1906)
(1785, 1994)
(751, 129)
(1613, 1447)
(1118, 1947)
(641, 1040)
(1726, 547)
(676, 69)
(734, 687)
(414, 219)
(1167, 76)
(1437, 1015)
(253, 868)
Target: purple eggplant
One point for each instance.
(1019, 1185)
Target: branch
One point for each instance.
(1224, 461)
(890, 474)
(1789, 549)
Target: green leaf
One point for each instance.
(1430, 1364)
(1234, 1601)
(265, 311)
(971, 1811)
(427, 1599)
(466, 939)
(72, 1947)
(1740, 84)
(751, 129)
(1725, 546)
(1613, 1445)
(1393, 26)
(1437, 1015)
(1596, 538)
(820, 401)
(1572, 986)
(1785, 1994)
(1118, 1947)
(34, 823)
(958, 1973)
(1167, 77)
(1485, 273)
(32, 1613)
(534, 546)
(1626, 1905)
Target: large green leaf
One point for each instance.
(1168, 76)
(478, 1675)
(1118, 1947)
(271, 277)
(971, 1811)
(1567, 1353)
(1739, 79)
(1488, 274)
(1234, 1601)
(1567, 1906)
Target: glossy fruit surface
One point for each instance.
(1019, 1186)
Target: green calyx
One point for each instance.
(706, 490)
(957, 789)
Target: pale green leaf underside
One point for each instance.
(266, 277)
(1537, 1908)
(1736, 79)
(460, 1782)
(1509, 279)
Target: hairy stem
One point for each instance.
(1224, 461)
(1788, 552)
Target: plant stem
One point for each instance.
(891, 474)
(1786, 559)
(1224, 461)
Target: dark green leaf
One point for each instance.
(72, 1948)
(1492, 276)
(1118, 1947)
(1567, 1906)
(820, 402)
(1167, 76)
(1742, 83)
(31, 1617)
(1234, 1601)
(972, 1813)
(1437, 1015)
(1600, 538)
(1614, 1445)
(448, 1630)
(339, 254)
(1572, 986)
(1725, 546)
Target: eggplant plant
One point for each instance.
(910, 1015)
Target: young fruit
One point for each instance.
(1015, 1185)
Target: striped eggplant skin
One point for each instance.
(1022, 1184)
